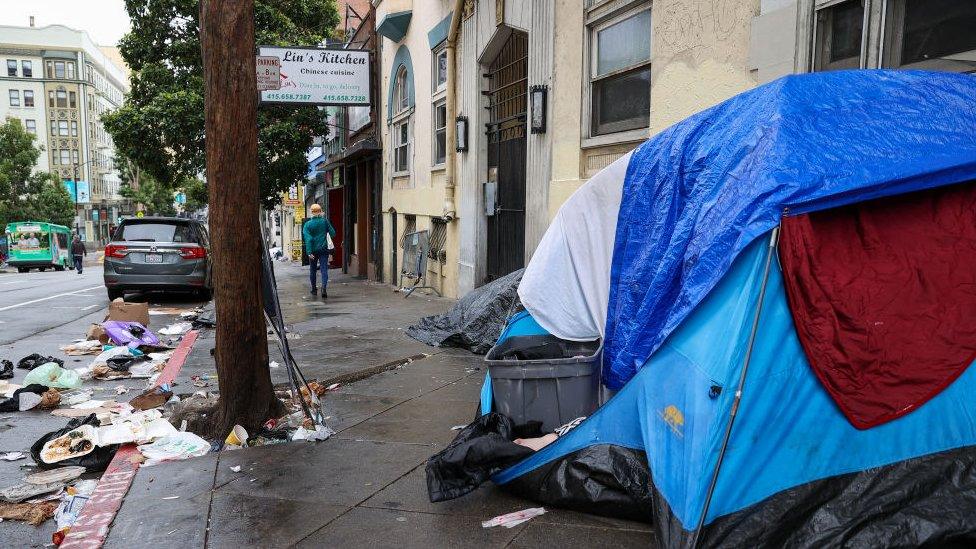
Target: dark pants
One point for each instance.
(77, 259)
(320, 263)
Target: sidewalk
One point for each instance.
(365, 486)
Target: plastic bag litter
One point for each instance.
(512, 520)
(91, 346)
(52, 375)
(95, 461)
(475, 321)
(321, 432)
(102, 358)
(177, 328)
(181, 445)
(68, 511)
(132, 334)
(32, 361)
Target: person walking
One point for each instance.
(318, 233)
(78, 252)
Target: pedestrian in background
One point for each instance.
(78, 252)
(318, 233)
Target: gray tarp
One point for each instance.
(475, 321)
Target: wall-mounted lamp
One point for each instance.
(461, 133)
(539, 96)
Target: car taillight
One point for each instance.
(113, 250)
(193, 253)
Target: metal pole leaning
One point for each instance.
(771, 251)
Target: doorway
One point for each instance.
(506, 128)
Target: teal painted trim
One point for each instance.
(401, 59)
(438, 34)
(394, 25)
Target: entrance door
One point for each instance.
(507, 91)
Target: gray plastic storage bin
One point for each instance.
(544, 378)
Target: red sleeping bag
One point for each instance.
(883, 294)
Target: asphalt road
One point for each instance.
(34, 303)
(39, 312)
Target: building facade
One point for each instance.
(550, 92)
(58, 83)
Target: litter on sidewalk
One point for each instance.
(177, 328)
(178, 446)
(512, 520)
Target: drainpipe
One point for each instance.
(450, 210)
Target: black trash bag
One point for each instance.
(475, 321)
(477, 452)
(122, 363)
(96, 461)
(6, 369)
(12, 404)
(33, 361)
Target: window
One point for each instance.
(931, 34)
(401, 146)
(839, 34)
(11, 67)
(65, 159)
(74, 128)
(74, 156)
(401, 93)
(440, 139)
(59, 69)
(72, 100)
(63, 128)
(62, 98)
(31, 126)
(14, 98)
(620, 73)
(28, 69)
(71, 70)
(54, 127)
(440, 70)
(50, 99)
(28, 98)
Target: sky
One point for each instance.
(104, 20)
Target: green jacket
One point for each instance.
(313, 232)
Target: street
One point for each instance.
(40, 312)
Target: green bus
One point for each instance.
(39, 245)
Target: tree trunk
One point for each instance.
(227, 40)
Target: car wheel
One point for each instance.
(22, 269)
(114, 294)
(59, 267)
(42, 269)
(205, 294)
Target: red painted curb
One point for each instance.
(92, 526)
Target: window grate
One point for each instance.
(438, 239)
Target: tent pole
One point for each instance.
(773, 242)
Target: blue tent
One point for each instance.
(721, 434)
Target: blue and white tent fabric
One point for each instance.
(688, 296)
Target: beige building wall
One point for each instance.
(419, 192)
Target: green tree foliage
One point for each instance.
(161, 125)
(24, 195)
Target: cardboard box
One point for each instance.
(95, 331)
(128, 312)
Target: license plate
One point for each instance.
(154, 258)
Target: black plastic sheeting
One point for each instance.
(475, 321)
(478, 451)
(97, 460)
(929, 501)
(604, 479)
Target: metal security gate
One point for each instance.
(505, 190)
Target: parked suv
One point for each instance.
(158, 254)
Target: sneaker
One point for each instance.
(325, 294)
(314, 291)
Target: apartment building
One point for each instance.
(58, 83)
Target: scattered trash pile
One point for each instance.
(59, 493)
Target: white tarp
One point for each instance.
(566, 286)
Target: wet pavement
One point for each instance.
(365, 486)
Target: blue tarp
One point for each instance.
(699, 192)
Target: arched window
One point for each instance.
(401, 94)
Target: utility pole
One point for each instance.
(230, 99)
